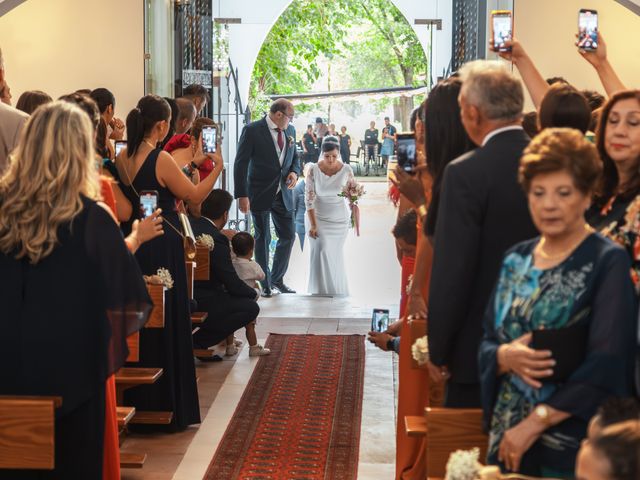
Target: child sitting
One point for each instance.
(249, 272)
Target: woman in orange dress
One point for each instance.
(440, 138)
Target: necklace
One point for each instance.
(554, 256)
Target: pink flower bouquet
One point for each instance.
(352, 192)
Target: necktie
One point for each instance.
(280, 139)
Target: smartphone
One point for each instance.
(209, 135)
(379, 320)
(588, 29)
(406, 151)
(501, 29)
(148, 202)
(120, 144)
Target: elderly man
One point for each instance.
(265, 173)
(482, 213)
(11, 122)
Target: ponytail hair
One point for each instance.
(150, 110)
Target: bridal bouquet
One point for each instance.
(352, 191)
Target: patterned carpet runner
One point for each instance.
(299, 417)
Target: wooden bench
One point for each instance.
(132, 460)
(27, 432)
(198, 317)
(202, 263)
(156, 318)
(451, 429)
(124, 414)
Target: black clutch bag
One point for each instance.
(568, 348)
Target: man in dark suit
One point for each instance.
(265, 173)
(230, 302)
(483, 211)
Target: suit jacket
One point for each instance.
(483, 211)
(257, 171)
(222, 274)
(11, 123)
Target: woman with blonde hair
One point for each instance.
(70, 290)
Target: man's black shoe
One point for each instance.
(283, 288)
(266, 292)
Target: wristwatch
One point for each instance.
(542, 413)
(390, 345)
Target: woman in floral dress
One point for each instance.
(616, 209)
(569, 277)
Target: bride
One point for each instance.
(327, 220)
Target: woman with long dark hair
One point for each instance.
(142, 165)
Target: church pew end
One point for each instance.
(27, 432)
(156, 318)
(202, 263)
(415, 425)
(152, 418)
(451, 429)
(132, 460)
(198, 317)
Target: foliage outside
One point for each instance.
(346, 44)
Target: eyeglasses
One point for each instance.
(290, 117)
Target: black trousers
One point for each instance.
(462, 395)
(285, 230)
(226, 315)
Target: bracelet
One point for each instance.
(193, 165)
(422, 210)
(390, 345)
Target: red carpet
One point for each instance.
(299, 417)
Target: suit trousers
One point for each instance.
(285, 230)
(226, 315)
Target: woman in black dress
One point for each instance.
(70, 291)
(345, 145)
(143, 166)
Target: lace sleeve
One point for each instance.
(310, 189)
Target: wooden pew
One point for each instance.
(202, 263)
(156, 318)
(27, 432)
(451, 429)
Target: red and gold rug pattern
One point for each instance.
(299, 417)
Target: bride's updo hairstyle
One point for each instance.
(330, 143)
(150, 110)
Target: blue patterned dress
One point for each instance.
(591, 287)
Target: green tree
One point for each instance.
(370, 37)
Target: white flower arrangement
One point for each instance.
(463, 465)
(420, 350)
(165, 276)
(206, 240)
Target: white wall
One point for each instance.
(64, 45)
(547, 30)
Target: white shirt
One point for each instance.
(274, 136)
(497, 131)
(248, 271)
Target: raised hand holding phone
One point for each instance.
(588, 29)
(501, 30)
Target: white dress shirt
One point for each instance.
(274, 136)
(497, 131)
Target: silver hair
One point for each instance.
(493, 89)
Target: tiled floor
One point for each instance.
(374, 279)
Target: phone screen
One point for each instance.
(588, 30)
(119, 146)
(406, 152)
(148, 203)
(379, 320)
(209, 139)
(502, 30)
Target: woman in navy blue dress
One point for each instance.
(571, 279)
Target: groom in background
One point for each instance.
(265, 172)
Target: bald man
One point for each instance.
(266, 171)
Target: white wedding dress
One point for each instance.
(327, 273)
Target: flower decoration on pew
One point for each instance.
(352, 192)
(206, 240)
(463, 465)
(420, 350)
(166, 278)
